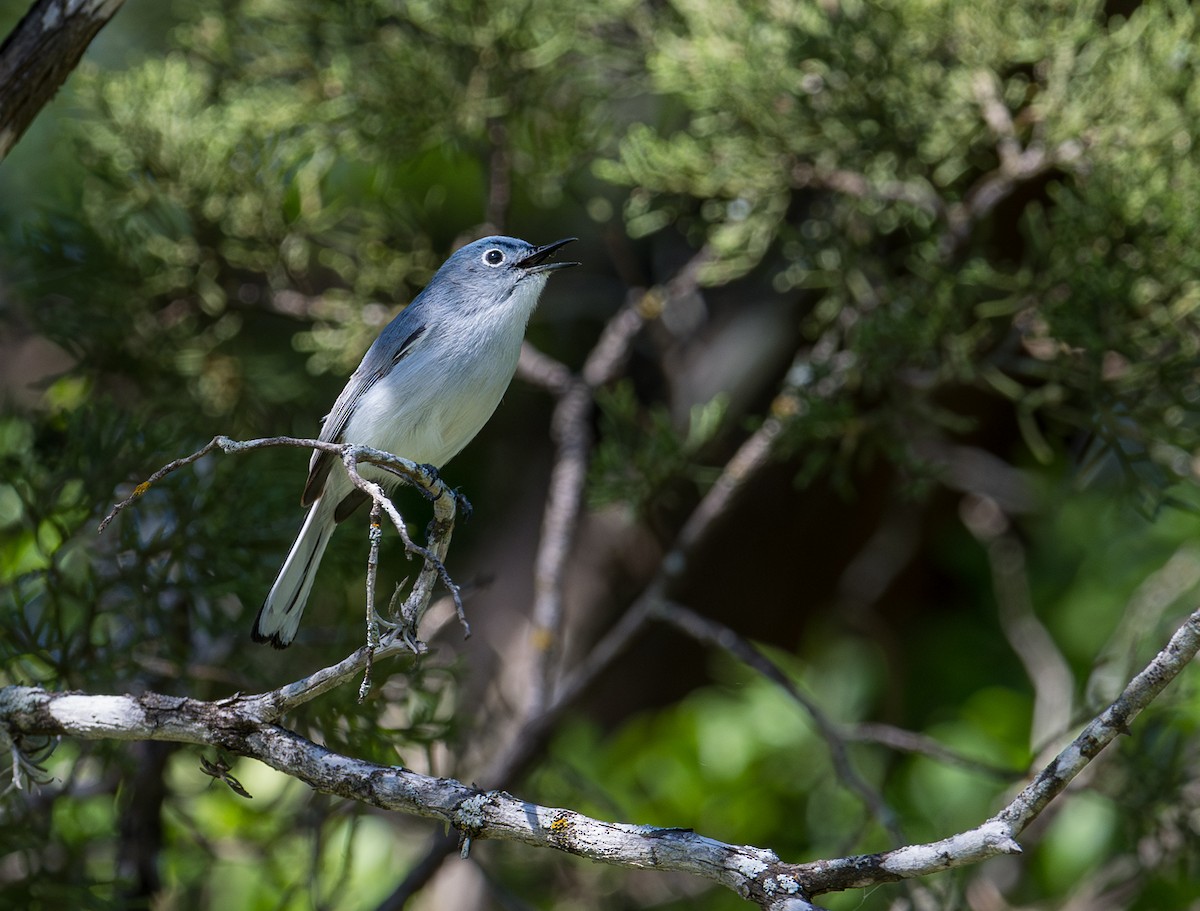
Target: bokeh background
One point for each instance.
(950, 247)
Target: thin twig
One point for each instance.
(904, 741)
(756, 874)
(1046, 667)
(571, 429)
(270, 706)
(438, 532)
(717, 635)
(1101, 731)
(157, 476)
(1144, 613)
(419, 476)
(998, 834)
(374, 536)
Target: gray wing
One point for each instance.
(376, 364)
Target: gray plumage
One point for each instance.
(424, 389)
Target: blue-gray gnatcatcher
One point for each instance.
(423, 390)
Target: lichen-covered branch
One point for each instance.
(245, 725)
(234, 725)
(998, 835)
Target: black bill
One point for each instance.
(536, 261)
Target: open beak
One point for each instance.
(536, 261)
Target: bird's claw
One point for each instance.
(463, 505)
(404, 633)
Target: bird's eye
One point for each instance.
(493, 257)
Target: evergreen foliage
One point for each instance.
(927, 228)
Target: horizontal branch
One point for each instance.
(244, 725)
(350, 454)
(231, 725)
(998, 835)
(851, 183)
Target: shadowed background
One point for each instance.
(950, 251)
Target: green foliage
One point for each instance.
(739, 760)
(231, 220)
(283, 177)
(643, 455)
(1086, 318)
(265, 172)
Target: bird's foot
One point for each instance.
(463, 505)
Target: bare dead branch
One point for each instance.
(1046, 667)
(571, 429)
(904, 741)
(756, 874)
(445, 503)
(1097, 734)
(39, 54)
(1160, 592)
(851, 183)
(375, 536)
(717, 635)
(998, 835)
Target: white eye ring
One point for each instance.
(493, 257)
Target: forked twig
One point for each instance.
(235, 725)
(709, 632)
(422, 477)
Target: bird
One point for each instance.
(424, 389)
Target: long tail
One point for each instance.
(279, 617)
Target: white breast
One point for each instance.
(436, 399)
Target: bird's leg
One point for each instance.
(401, 628)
